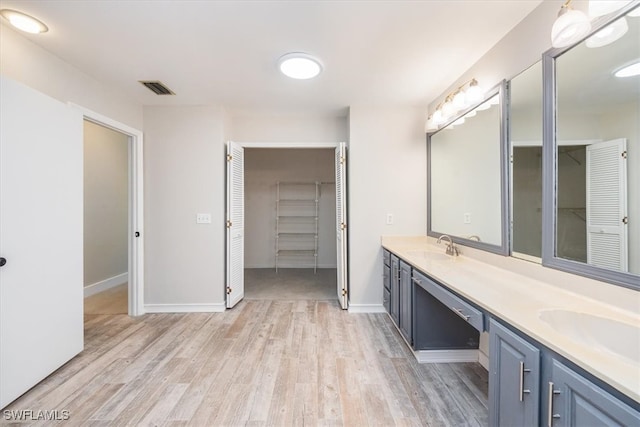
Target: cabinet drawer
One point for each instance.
(456, 304)
(386, 256)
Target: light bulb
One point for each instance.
(459, 101)
(447, 109)
(571, 26)
(474, 94)
(437, 118)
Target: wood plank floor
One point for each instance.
(265, 362)
(111, 301)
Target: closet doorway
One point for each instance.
(113, 216)
(106, 211)
(286, 222)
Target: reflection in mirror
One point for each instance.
(465, 176)
(597, 206)
(525, 121)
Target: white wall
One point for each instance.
(272, 127)
(106, 221)
(184, 175)
(265, 167)
(24, 61)
(517, 51)
(386, 174)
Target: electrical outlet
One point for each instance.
(467, 218)
(203, 218)
(389, 219)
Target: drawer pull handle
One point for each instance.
(459, 312)
(522, 389)
(551, 415)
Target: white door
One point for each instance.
(341, 223)
(235, 224)
(41, 205)
(607, 227)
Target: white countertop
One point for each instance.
(518, 300)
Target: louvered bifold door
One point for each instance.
(341, 224)
(235, 224)
(607, 205)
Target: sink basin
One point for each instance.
(609, 335)
(430, 255)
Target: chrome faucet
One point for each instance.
(451, 248)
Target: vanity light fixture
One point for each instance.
(608, 34)
(299, 65)
(570, 26)
(24, 22)
(629, 70)
(466, 95)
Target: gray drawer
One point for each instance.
(456, 304)
(386, 256)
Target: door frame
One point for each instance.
(295, 145)
(136, 206)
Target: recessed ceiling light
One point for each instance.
(628, 70)
(298, 65)
(24, 22)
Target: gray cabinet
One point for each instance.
(514, 379)
(406, 302)
(386, 281)
(575, 401)
(394, 290)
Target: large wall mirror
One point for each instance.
(466, 173)
(592, 153)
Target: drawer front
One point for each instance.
(386, 256)
(457, 305)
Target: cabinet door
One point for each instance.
(406, 301)
(576, 401)
(514, 379)
(386, 295)
(394, 297)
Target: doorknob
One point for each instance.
(3, 261)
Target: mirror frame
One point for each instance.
(549, 169)
(503, 248)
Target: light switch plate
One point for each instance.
(467, 218)
(203, 218)
(389, 219)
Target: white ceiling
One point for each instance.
(376, 53)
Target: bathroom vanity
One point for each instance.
(556, 358)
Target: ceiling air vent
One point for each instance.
(157, 87)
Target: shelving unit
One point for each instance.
(297, 209)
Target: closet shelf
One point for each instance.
(297, 210)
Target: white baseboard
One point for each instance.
(185, 308)
(103, 285)
(366, 308)
(446, 356)
(483, 359)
